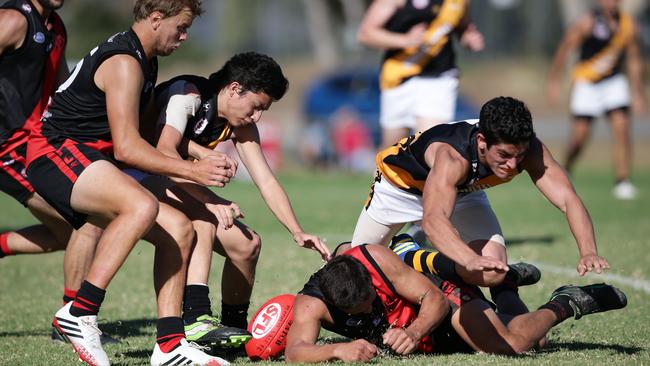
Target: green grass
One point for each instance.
(328, 205)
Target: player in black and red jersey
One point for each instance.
(32, 64)
(91, 127)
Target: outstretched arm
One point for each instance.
(308, 313)
(554, 184)
(439, 198)
(248, 146)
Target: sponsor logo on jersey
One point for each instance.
(200, 126)
(27, 8)
(39, 37)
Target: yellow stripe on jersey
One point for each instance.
(225, 135)
(485, 183)
(411, 61)
(602, 63)
(396, 175)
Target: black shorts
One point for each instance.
(54, 174)
(13, 179)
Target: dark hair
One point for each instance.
(254, 72)
(168, 8)
(345, 282)
(506, 120)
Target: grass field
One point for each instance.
(328, 204)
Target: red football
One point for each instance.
(270, 327)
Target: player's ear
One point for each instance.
(234, 88)
(155, 19)
(480, 142)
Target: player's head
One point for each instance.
(346, 284)
(609, 5)
(51, 4)
(505, 132)
(249, 82)
(169, 20)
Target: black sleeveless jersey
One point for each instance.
(602, 53)
(78, 109)
(433, 59)
(404, 166)
(205, 128)
(25, 80)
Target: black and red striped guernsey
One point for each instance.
(77, 111)
(28, 73)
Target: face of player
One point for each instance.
(502, 158)
(172, 31)
(609, 5)
(244, 108)
(51, 4)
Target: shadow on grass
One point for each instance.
(585, 346)
(542, 239)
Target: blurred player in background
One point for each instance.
(195, 115)
(607, 39)
(419, 75)
(32, 65)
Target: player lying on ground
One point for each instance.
(369, 295)
(194, 115)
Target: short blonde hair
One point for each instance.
(168, 8)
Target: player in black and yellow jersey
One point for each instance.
(419, 75)
(608, 41)
(427, 177)
(196, 114)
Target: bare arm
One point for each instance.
(373, 34)
(13, 30)
(572, 39)
(248, 146)
(416, 289)
(121, 79)
(308, 314)
(439, 197)
(554, 184)
(636, 74)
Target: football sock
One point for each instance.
(68, 295)
(89, 299)
(561, 307)
(235, 315)
(196, 302)
(508, 284)
(4, 247)
(430, 261)
(169, 333)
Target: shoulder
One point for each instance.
(309, 306)
(14, 26)
(386, 259)
(441, 153)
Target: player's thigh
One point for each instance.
(480, 327)
(390, 136)
(369, 231)
(103, 190)
(478, 225)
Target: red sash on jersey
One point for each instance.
(52, 64)
(399, 312)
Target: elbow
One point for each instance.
(290, 355)
(122, 154)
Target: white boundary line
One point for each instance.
(635, 283)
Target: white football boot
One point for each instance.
(185, 354)
(82, 332)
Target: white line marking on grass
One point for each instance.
(635, 283)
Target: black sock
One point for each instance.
(235, 315)
(196, 302)
(561, 307)
(89, 299)
(169, 332)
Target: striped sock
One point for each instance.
(68, 295)
(89, 299)
(169, 333)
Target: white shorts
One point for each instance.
(593, 99)
(390, 208)
(419, 97)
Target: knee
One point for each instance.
(144, 212)
(493, 278)
(248, 250)
(182, 231)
